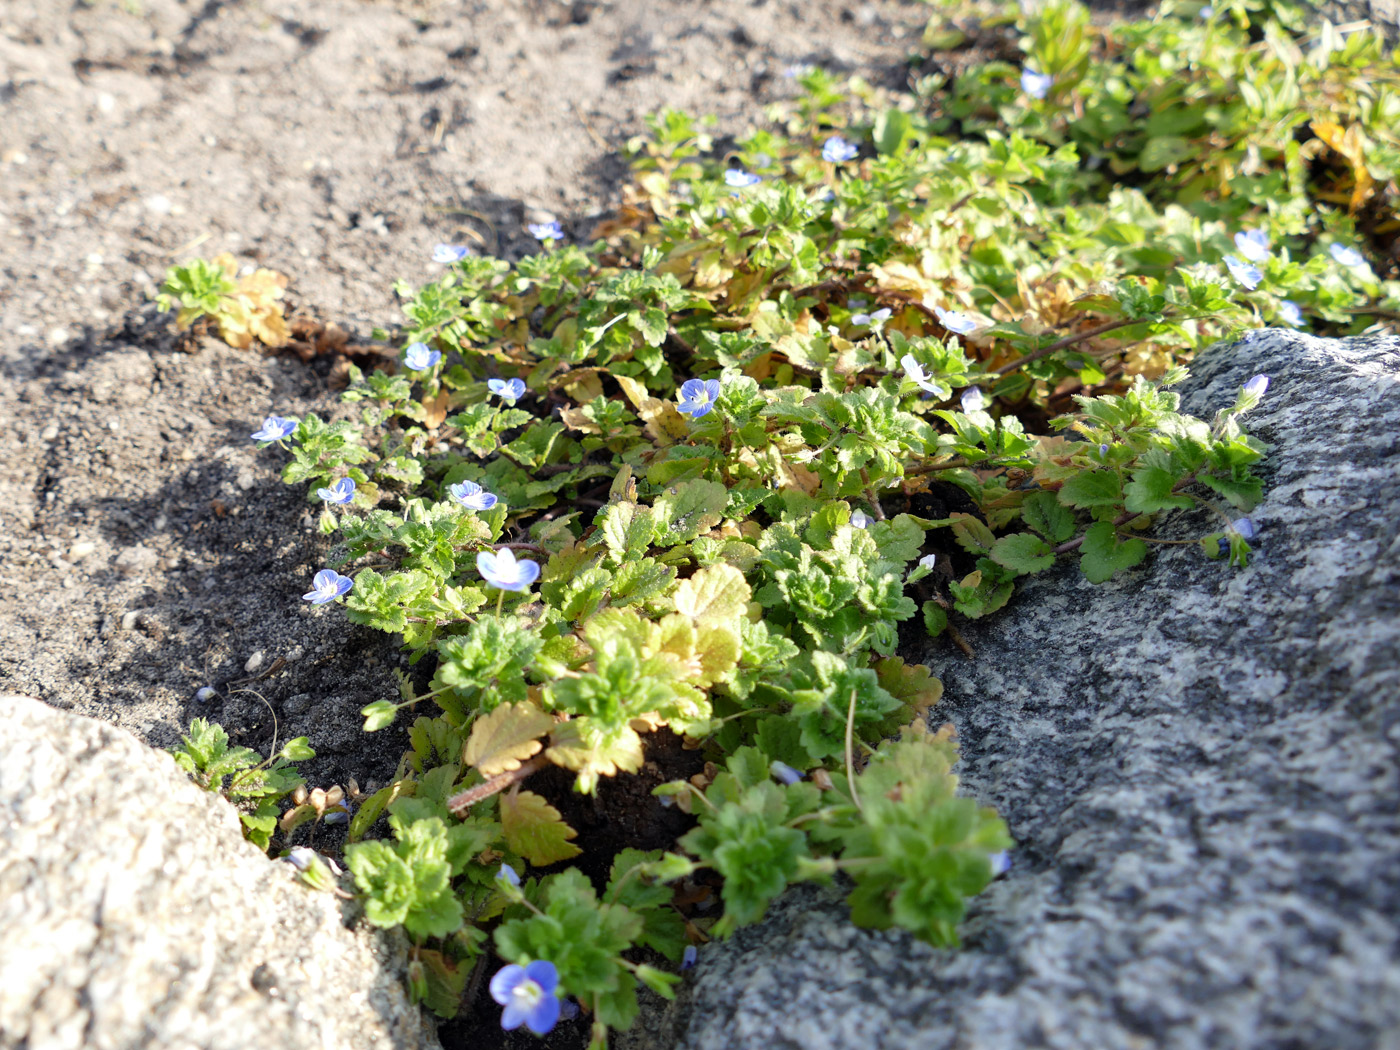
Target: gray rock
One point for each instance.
(1199, 765)
(133, 914)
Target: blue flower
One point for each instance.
(328, 586)
(973, 400)
(1346, 256)
(1244, 528)
(546, 231)
(500, 569)
(1206, 13)
(698, 397)
(837, 150)
(784, 772)
(954, 321)
(275, 428)
(471, 495)
(301, 857)
(450, 253)
(506, 389)
(418, 358)
(343, 491)
(527, 993)
(882, 314)
(1253, 244)
(689, 956)
(568, 1010)
(508, 875)
(1247, 275)
(1036, 85)
(341, 815)
(740, 179)
(1257, 385)
(859, 519)
(1103, 451)
(1291, 312)
(917, 374)
(205, 694)
(1001, 863)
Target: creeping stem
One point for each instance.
(460, 803)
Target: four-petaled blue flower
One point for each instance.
(500, 569)
(1346, 256)
(739, 179)
(1036, 85)
(527, 993)
(1244, 528)
(1253, 244)
(973, 400)
(882, 314)
(955, 321)
(784, 772)
(918, 374)
(418, 358)
(450, 253)
(698, 397)
(275, 428)
(1291, 312)
(471, 495)
(1001, 863)
(506, 389)
(837, 150)
(546, 231)
(343, 491)
(328, 586)
(1257, 385)
(1246, 274)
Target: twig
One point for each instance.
(1068, 340)
(1078, 541)
(460, 803)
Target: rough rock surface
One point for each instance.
(133, 914)
(1199, 765)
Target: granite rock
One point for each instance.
(134, 914)
(1199, 765)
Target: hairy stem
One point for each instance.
(460, 803)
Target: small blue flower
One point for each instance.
(698, 397)
(740, 179)
(500, 569)
(973, 400)
(527, 993)
(342, 492)
(1253, 244)
(1257, 385)
(568, 1009)
(546, 231)
(1036, 85)
(508, 875)
(861, 320)
(689, 957)
(205, 694)
(859, 519)
(450, 253)
(1346, 256)
(341, 815)
(418, 358)
(1247, 275)
(1001, 863)
(328, 586)
(301, 857)
(837, 150)
(919, 375)
(471, 495)
(506, 389)
(1291, 312)
(1206, 13)
(1103, 451)
(955, 321)
(784, 772)
(275, 428)
(1244, 528)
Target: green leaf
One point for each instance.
(1103, 553)
(506, 737)
(688, 509)
(892, 129)
(1045, 514)
(1093, 488)
(972, 535)
(1023, 553)
(297, 750)
(1150, 491)
(379, 715)
(534, 829)
(717, 595)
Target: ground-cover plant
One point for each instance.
(862, 369)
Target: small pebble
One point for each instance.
(130, 620)
(205, 694)
(254, 662)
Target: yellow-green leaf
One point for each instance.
(718, 594)
(534, 829)
(507, 736)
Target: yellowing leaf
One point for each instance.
(914, 684)
(1350, 143)
(718, 594)
(507, 736)
(534, 829)
(664, 421)
(593, 749)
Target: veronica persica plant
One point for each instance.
(450, 253)
(1346, 256)
(472, 496)
(1036, 85)
(419, 358)
(837, 150)
(737, 178)
(861, 320)
(507, 389)
(342, 492)
(1245, 273)
(955, 321)
(527, 993)
(327, 586)
(500, 569)
(275, 428)
(546, 231)
(1253, 245)
(698, 397)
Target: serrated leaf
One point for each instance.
(1151, 491)
(972, 535)
(1047, 516)
(1023, 552)
(534, 829)
(505, 737)
(913, 684)
(718, 594)
(1092, 488)
(688, 509)
(1103, 553)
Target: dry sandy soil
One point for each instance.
(148, 549)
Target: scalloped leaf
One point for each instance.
(506, 737)
(534, 829)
